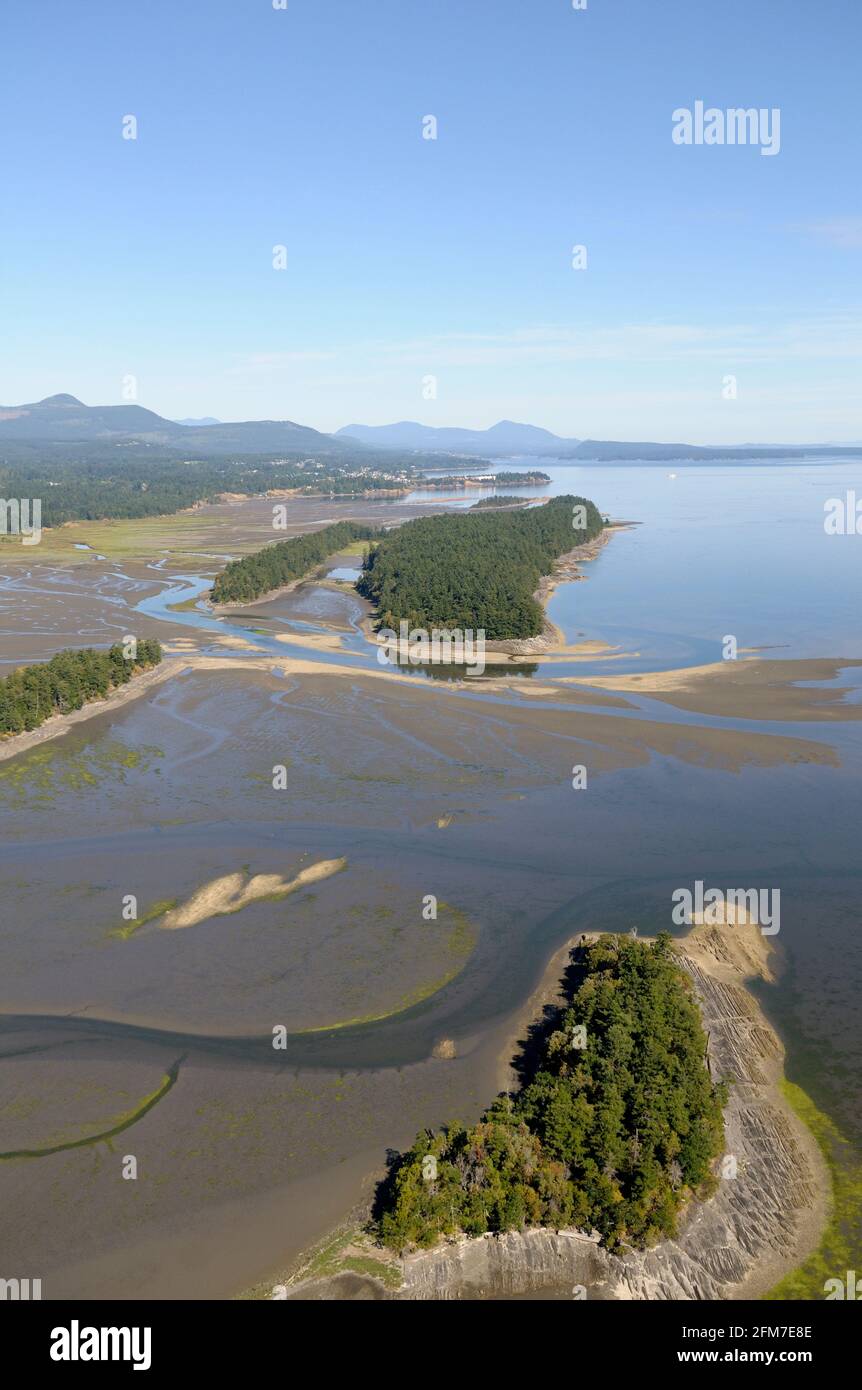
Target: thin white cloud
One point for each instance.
(825, 336)
(845, 232)
(272, 361)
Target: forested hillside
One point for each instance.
(615, 1129)
(279, 564)
(69, 680)
(474, 570)
(130, 481)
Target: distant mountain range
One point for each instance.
(63, 419)
(508, 437)
(505, 437)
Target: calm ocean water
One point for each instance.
(720, 549)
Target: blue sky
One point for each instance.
(411, 258)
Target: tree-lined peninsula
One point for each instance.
(71, 678)
(467, 570)
(615, 1128)
(474, 570)
(244, 580)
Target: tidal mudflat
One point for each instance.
(216, 791)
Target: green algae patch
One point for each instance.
(347, 1251)
(459, 947)
(43, 772)
(354, 548)
(345, 1254)
(839, 1247)
(186, 605)
(152, 914)
(118, 1125)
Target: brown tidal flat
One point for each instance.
(131, 1038)
(601, 741)
(219, 530)
(46, 608)
(423, 787)
(749, 689)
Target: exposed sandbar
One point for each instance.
(749, 689)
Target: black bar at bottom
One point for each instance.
(83, 1339)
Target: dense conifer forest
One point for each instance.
(616, 1126)
(463, 570)
(244, 580)
(132, 481)
(500, 499)
(460, 480)
(474, 570)
(32, 694)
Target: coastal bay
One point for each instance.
(458, 789)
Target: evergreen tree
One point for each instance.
(613, 1136)
(32, 694)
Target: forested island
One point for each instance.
(474, 570)
(615, 1127)
(450, 480)
(500, 499)
(466, 570)
(244, 580)
(71, 678)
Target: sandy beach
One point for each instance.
(752, 688)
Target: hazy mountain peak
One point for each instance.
(507, 436)
(62, 419)
(515, 427)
